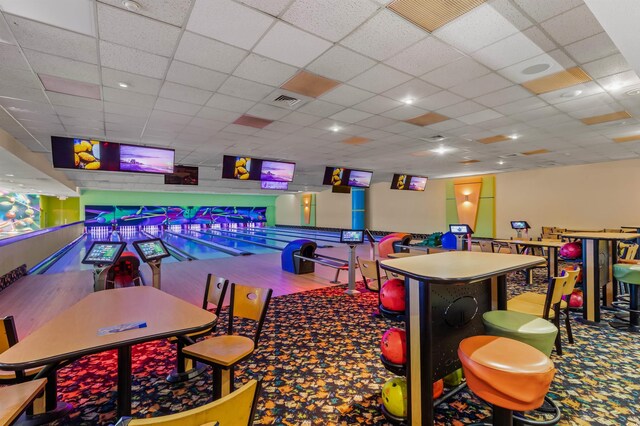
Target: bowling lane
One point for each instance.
(193, 248)
(268, 237)
(255, 245)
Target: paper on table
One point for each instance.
(121, 327)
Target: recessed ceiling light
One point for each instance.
(501, 162)
(633, 92)
(441, 150)
(514, 137)
(572, 94)
(335, 129)
(9, 175)
(131, 5)
(123, 84)
(535, 69)
(408, 101)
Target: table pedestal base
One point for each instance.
(60, 412)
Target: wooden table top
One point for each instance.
(401, 255)
(460, 266)
(74, 332)
(16, 398)
(603, 235)
(534, 243)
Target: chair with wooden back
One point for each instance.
(549, 310)
(214, 294)
(236, 409)
(486, 246)
(370, 270)
(8, 338)
(225, 351)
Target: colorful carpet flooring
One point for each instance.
(319, 359)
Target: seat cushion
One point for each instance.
(223, 350)
(627, 273)
(519, 305)
(529, 329)
(506, 372)
(538, 298)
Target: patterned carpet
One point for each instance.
(319, 358)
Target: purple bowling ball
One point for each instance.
(571, 250)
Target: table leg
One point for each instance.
(124, 381)
(54, 410)
(591, 280)
(501, 294)
(613, 294)
(552, 260)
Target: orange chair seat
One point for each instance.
(6, 375)
(506, 372)
(537, 298)
(225, 350)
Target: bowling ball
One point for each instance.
(10, 214)
(576, 301)
(449, 241)
(101, 219)
(394, 345)
(453, 379)
(438, 388)
(392, 295)
(571, 250)
(394, 396)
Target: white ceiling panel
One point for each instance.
(63, 67)
(379, 79)
(346, 95)
(218, 115)
(19, 77)
(11, 57)
(184, 93)
(245, 89)
(613, 64)
(541, 10)
(455, 73)
(404, 112)
(121, 96)
(508, 51)
(173, 12)
(21, 92)
(74, 15)
(208, 53)
(229, 22)
(137, 83)
(272, 7)
(268, 112)
(383, 36)
(481, 85)
(424, 56)
(131, 60)
(300, 119)
(264, 70)
(130, 110)
(573, 25)
(340, 64)
(411, 91)
(377, 105)
(290, 45)
(439, 100)
(230, 103)
(480, 116)
(170, 105)
(329, 19)
(503, 96)
(556, 61)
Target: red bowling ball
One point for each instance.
(392, 295)
(394, 345)
(575, 300)
(571, 250)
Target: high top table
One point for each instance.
(74, 333)
(599, 252)
(446, 295)
(552, 254)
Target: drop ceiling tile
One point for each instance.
(62, 67)
(55, 41)
(414, 89)
(128, 98)
(129, 110)
(485, 23)
(383, 36)
(245, 89)
(340, 64)
(350, 115)
(593, 111)
(320, 108)
(178, 107)
(404, 112)
(346, 95)
(540, 39)
(125, 120)
(620, 83)
(541, 10)
(455, 73)
(11, 57)
(503, 96)
(309, 85)
(70, 87)
(18, 77)
(272, 7)
(183, 93)
(481, 85)
(512, 13)
(204, 52)
(438, 100)
(132, 30)
(377, 105)
(88, 114)
(218, 115)
(427, 119)
(268, 112)
(460, 109)
(203, 123)
(131, 60)
(377, 122)
(424, 56)
(137, 83)
(300, 119)
(508, 51)
(573, 25)
(158, 117)
(592, 48)
(244, 129)
(290, 45)
(379, 78)
(173, 12)
(73, 101)
(220, 20)
(607, 66)
(535, 114)
(230, 103)
(264, 70)
(480, 116)
(557, 61)
(329, 19)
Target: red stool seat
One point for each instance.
(505, 372)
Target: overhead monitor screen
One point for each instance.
(104, 253)
(151, 249)
(408, 182)
(182, 175)
(277, 171)
(360, 178)
(417, 183)
(351, 236)
(281, 186)
(85, 154)
(143, 159)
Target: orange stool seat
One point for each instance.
(505, 372)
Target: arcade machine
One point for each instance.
(152, 252)
(352, 238)
(462, 232)
(522, 229)
(102, 255)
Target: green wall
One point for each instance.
(486, 221)
(134, 198)
(55, 212)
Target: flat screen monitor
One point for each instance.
(85, 154)
(143, 159)
(334, 176)
(460, 229)
(277, 171)
(182, 175)
(281, 186)
(417, 183)
(242, 168)
(351, 236)
(399, 182)
(408, 182)
(519, 224)
(153, 249)
(104, 253)
(359, 178)
(340, 176)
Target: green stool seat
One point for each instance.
(529, 329)
(627, 273)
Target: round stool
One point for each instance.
(510, 375)
(629, 274)
(526, 328)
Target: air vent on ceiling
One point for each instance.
(515, 154)
(286, 100)
(436, 138)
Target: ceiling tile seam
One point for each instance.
(148, 18)
(97, 39)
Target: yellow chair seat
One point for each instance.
(11, 375)
(528, 308)
(191, 335)
(224, 350)
(537, 298)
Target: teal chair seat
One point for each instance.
(529, 329)
(627, 273)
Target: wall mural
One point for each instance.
(171, 215)
(19, 213)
